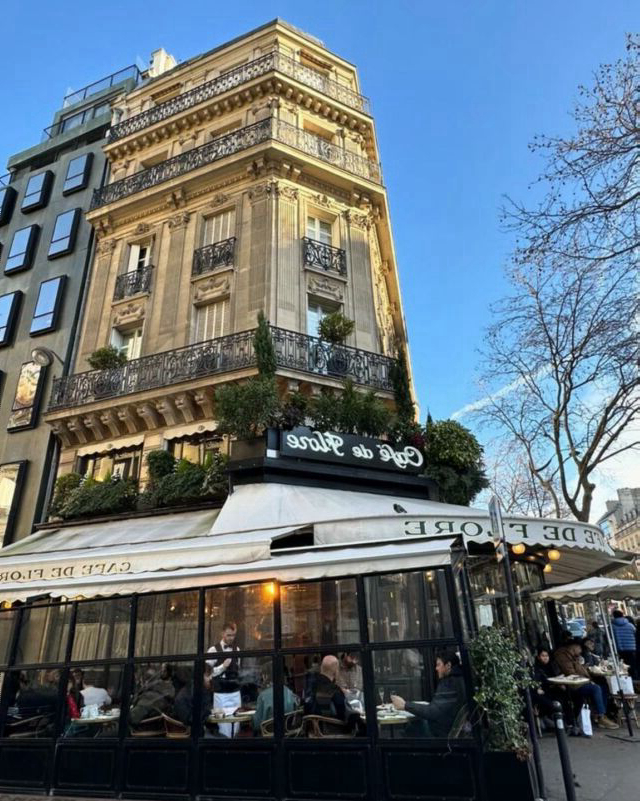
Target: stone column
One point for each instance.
(174, 312)
(97, 314)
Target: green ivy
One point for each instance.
(501, 679)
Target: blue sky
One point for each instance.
(458, 90)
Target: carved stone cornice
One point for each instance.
(204, 398)
(214, 286)
(93, 422)
(129, 313)
(167, 409)
(105, 247)
(149, 414)
(127, 415)
(179, 221)
(358, 220)
(61, 431)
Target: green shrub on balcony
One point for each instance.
(63, 488)
(179, 482)
(94, 498)
(335, 328)
(246, 410)
(107, 358)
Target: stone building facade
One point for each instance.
(246, 179)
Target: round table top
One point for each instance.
(98, 719)
(576, 681)
(232, 718)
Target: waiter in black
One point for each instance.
(225, 673)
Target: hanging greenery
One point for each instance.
(501, 679)
(405, 407)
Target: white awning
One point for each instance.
(608, 589)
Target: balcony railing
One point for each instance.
(132, 283)
(235, 142)
(234, 78)
(103, 83)
(323, 257)
(210, 257)
(294, 351)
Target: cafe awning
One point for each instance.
(589, 589)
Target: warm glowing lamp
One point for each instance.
(519, 548)
(554, 554)
(548, 568)
(270, 589)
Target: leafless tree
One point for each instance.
(562, 358)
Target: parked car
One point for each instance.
(577, 627)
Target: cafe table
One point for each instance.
(242, 717)
(573, 682)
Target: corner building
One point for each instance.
(242, 180)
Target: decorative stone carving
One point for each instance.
(176, 199)
(204, 399)
(167, 409)
(106, 246)
(141, 229)
(357, 220)
(149, 415)
(184, 403)
(179, 221)
(59, 428)
(109, 419)
(76, 426)
(93, 422)
(127, 415)
(129, 313)
(212, 287)
(219, 199)
(326, 287)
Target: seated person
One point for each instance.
(38, 699)
(568, 660)
(156, 696)
(182, 681)
(589, 656)
(438, 715)
(327, 698)
(350, 676)
(264, 704)
(93, 695)
(546, 693)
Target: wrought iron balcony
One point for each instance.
(236, 77)
(323, 257)
(294, 351)
(132, 283)
(210, 257)
(235, 142)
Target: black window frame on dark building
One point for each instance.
(39, 197)
(77, 180)
(66, 243)
(27, 253)
(8, 196)
(50, 321)
(15, 500)
(9, 319)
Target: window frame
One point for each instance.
(27, 254)
(7, 535)
(34, 408)
(12, 317)
(8, 197)
(54, 313)
(84, 174)
(43, 195)
(71, 237)
(134, 335)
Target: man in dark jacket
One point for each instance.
(328, 698)
(449, 698)
(624, 633)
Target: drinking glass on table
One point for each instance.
(381, 695)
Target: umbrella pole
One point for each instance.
(616, 665)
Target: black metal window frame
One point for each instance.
(134, 282)
(277, 653)
(39, 197)
(78, 172)
(22, 259)
(46, 319)
(9, 311)
(8, 197)
(63, 242)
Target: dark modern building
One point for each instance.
(45, 254)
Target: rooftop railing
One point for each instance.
(236, 77)
(235, 142)
(294, 351)
(104, 83)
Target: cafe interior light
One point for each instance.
(270, 589)
(548, 568)
(554, 554)
(519, 548)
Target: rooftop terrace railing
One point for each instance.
(104, 83)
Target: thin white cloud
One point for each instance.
(483, 402)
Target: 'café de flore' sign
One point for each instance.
(349, 449)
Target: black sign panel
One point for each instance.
(349, 449)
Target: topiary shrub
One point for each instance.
(453, 459)
(335, 328)
(95, 498)
(374, 417)
(324, 411)
(501, 679)
(246, 410)
(294, 410)
(160, 463)
(107, 358)
(263, 346)
(63, 488)
(216, 483)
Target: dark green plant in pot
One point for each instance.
(160, 463)
(245, 410)
(335, 328)
(453, 459)
(324, 411)
(263, 346)
(96, 498)
(294, 410)
(107, 358)
(501, 679)
(63, 488)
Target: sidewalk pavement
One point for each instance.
(605, 769)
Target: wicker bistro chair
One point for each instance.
(631, 701)
(35, 726)
(174, 729)
(318, 726)
(293, 725)
(149, 727)
(461, 725)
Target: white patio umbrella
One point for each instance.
(599, 588)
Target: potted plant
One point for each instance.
(334, 328)
(501, 681)
(107, 358)
(109, 361)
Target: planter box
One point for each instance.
(507, 778)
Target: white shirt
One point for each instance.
(218, 670)
(95, 695)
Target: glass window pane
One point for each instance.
(77, 172)
(7, 618)
(43, 634)
(313, 681)
(92, 701)
(7, 203)
(36, 193)
(167, 624)
(102, 629)
(408, 606)
(8, 311)
(46, 305)
(33, 697)
(418, 696)
(246, 610)
(21, 246)
(320, 613)
(243, 690)
(162, 689)
(63, 232)
(73, 121)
